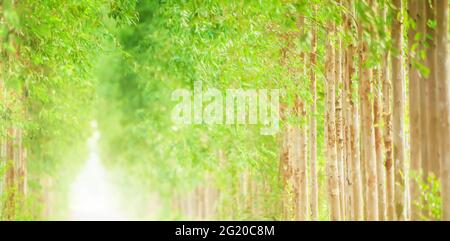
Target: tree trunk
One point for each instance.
(353, 139)
(388, 153)
(355, 150)
(414, 109)
(387, 131)
(424, 105)
(381, 177)
(433, 136)
(3, 134)
(10, 179)
(442, 76)
(283, 165)
(332, 168)
(21, 167)
(304, 153)
(303, 177)
(368, 137)
(347, 119)
(377, 111)
(293, 184)
(313, 130)
(398, 113)
(339, 124)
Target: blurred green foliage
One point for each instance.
(224, 44)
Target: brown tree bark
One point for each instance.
(354, 133)
(381, 177)
(3, 130)
(442, 76)
(387, 126)
(303, 167)
(433, 136)
(313, 129)
(332, 168)
(293, 183)
(398, 112)
(414, 108)
(368, 137)
(378, 116)
(339, 123)
(387, 134)
(347, 118)
(424, 100)
(356, 163)
(10, 178)
(303, 177)
(283, 163)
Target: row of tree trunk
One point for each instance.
(370, 175)
(429, 101)
(13, 155)
(200, 204)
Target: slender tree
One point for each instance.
(347, 115)
(303, 200)
(313, 127)
(303, 170)
(10, 178)
(377, 113)
(357, 187)
(339, 120)
(414, 107)
(332, 167)
(398, 112)
(293, 179)
(387, 126)
(368, 137)
(433, 131)
(442, 76)
(377, 118)
(3, 128)
(424, 98)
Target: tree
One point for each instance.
(346, 95)
(353, 120)
(332, 165)
(313, 127)
(367, 129)
(433, 132)
(424, 94)
(414, 106)
(442, 76)
(387, 124)
(378, 128)
(398, 111)
(338, 75)
(303, 168)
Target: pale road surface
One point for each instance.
(92, 196)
